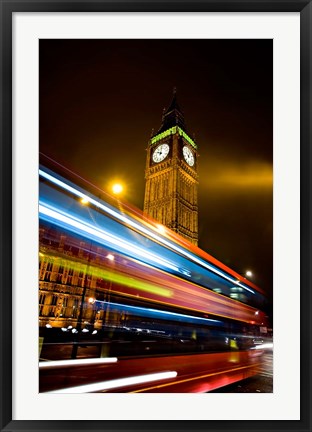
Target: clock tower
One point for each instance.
(171, 175)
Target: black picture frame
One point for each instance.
(9, 7)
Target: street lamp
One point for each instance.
(111, 258)
(117, 188)
(249, 273)
(80, 316)
(77, 330)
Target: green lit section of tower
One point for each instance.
(171, 179)
(172, 131)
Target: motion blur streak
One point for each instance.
(140, 228)
(79, 362)
(102, 235)
(155, 312)
(199, 377)
(111, 289)
(122, 382)
(115, 277)
(264, 346)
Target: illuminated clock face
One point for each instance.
(160, 153)
(188, 156)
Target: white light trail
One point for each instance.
(78, 362)
(121, 382)
(100, 234)
(263, 346)
(138, 227)
(159, 312)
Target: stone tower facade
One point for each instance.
(171, 177)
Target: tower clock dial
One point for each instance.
(188, 156)
(160, 153)
(171, 188)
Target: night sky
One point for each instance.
(101, 99)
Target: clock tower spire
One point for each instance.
(171, 178)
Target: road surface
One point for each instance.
(262, 383)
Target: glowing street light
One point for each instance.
(249, 273)
(111, 258)
(74, 352)
(117, 188)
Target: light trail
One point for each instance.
(99, 234)
(199, 377)
(115, 276)
(140, 228)
(263, 346)
(79, 362)
(167, 314)
(120, 382)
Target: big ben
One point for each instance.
(171, 177)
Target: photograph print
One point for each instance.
(155, 216)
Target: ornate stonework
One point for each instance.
(171, 184)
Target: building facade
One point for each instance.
(171, 188)
(70, 281)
